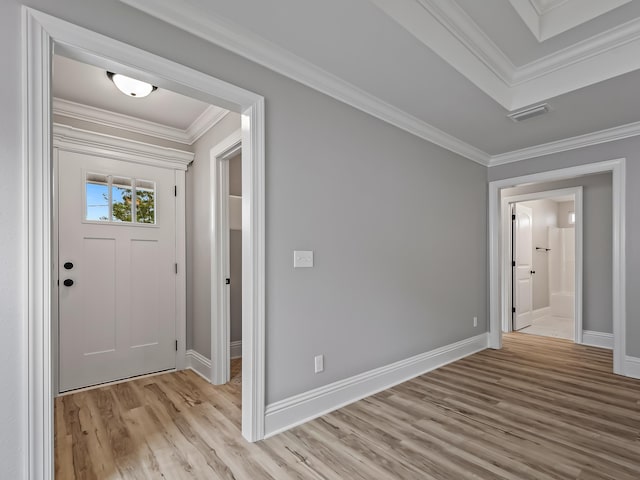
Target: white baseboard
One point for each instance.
(632, 367)
(235, 349)
(199, 364)
(541, 312)
(301, 408)
(597, 339)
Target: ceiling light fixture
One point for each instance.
(130, 86)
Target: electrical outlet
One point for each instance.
(475, 321)
(319, 361)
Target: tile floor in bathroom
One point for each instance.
(551, 326)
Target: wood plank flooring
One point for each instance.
(540, 408)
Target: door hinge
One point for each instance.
(176, 345)
(513, 309)
(176, 265)
(227, 281)
(513, 217)
(513, 263)
(175, 190)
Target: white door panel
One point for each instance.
(118, 319)
(523, 269)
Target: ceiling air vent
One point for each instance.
(529, 112)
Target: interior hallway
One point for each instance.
(540, 408)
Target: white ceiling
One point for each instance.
(85, 84)
(454, 68)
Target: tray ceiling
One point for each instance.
(446, 70)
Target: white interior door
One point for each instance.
(523, 269)
(117, 274)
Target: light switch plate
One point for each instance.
(302, 258)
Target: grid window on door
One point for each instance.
(118, 199)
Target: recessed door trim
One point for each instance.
(499, 285)
(506, 202)
(41, 34)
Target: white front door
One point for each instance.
(523, 269)
(116, 269)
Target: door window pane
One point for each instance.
(97, 197)
(145, 201)
(109, 199)
(121, 196)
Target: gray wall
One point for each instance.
(235, 254)
(544, 216)
(395, 275)
(597, 303)
(563, 214)
(198, 237)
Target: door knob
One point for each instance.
(68, 265)
(68, 282)
(533, 272)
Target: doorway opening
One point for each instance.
(500, 263)
(43, 34)
(545, 252)
(227, 267)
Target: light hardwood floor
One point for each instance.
(540, 408)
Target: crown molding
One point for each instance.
(84, 141)
(445, 18)
(603, 136)
(240, 41)
(462, 26)
(557, 18)
(200, 125)
(207, 119)
(446, 29)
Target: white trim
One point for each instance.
(597, 339)
(301, 408)
(545, 23)
(453, 35)
(235, 349)
(632, 367)
(541, 312)
(572, 143)
(41, 32)
(198, 363)
(243, 42)
(576, 193)
(83, 141)
(219, 253)
(496, 294)
(206, 120)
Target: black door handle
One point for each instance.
(68, 282)
(533, 272)
(68, 265)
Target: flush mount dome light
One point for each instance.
(130, 86)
